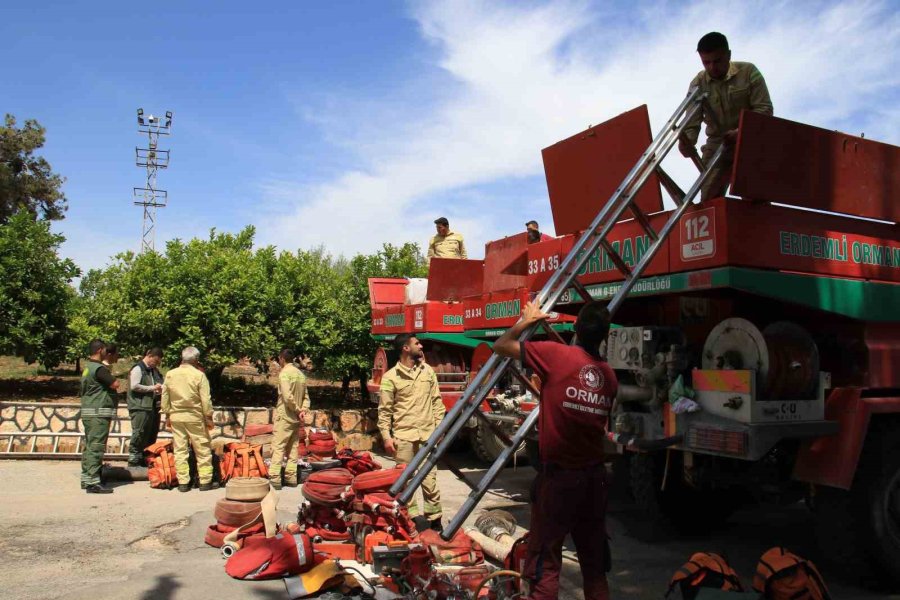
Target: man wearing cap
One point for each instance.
(732, 87)
(446, 244)
(534, 232)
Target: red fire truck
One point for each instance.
(760, 344)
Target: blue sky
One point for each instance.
(349, 124)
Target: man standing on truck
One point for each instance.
(145, 384)
(188, 407)
(409, 410)
(569, 494)
(98, 409)
(293, 402)
(446, 244)
(533, 229)
(732, 87)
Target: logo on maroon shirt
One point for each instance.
(591, 378)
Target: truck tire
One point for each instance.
(679, 505)
(488, 446)
(859, 529)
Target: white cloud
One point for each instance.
(511, 79)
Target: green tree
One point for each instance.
(356, 348)
(35, 294)
(26, 181)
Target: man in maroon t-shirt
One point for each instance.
(569, 494)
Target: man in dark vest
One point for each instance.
(98, 408)
(144, 395)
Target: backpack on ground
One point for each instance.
(704, 570)
(161, 465)
(782, 575)
(241, 459)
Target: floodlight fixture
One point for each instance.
(140, 117)
(152, 158)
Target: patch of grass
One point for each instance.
(13, 367)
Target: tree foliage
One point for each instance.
(35, 295)
(233, 301)
(26, 181)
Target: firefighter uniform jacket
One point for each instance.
(742, 88)
(292, 394)
(447, 246)
(185, 395)
(410, 403)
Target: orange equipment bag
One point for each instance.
(242, 460)
(704, 570)
(161, 465)
(782, 575)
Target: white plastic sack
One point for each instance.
(416, 290)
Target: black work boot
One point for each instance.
(184, 487)
(421, 523)
(435, 524)
(276, 485)
(212, 485)
(97, 488)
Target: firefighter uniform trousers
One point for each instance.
(568, 501)
(430, 492)
(187, 435)
(96, 433)
(285, 438)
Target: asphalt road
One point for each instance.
(139, 543)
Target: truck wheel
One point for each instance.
(678, 504)
(859, 530)
(488, 446)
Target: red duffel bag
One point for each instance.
(327, 487)
(461, 550)
(376, 481)
(272, 558)
(357, 462)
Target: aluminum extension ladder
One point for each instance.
(565, 276)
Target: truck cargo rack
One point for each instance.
(594, 237)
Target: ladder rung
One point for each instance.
(675, 192)
(644, 222)
(55, 443)
(615, 258)
(582, 291)
(554, 335)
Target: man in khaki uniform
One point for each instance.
(732, 87)
(446, 244)
(293, 402)
(408, 412)
(188, 408)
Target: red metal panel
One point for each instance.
(499, 310)
(494, 309)
(831, 460)
(792, 163)
(584, 170)
(436, 317)
(384, 291)
(750, 234)
(883, 343)
(627, 238)
(505, 263)
(454, 279)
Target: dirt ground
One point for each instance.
(144, 544)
